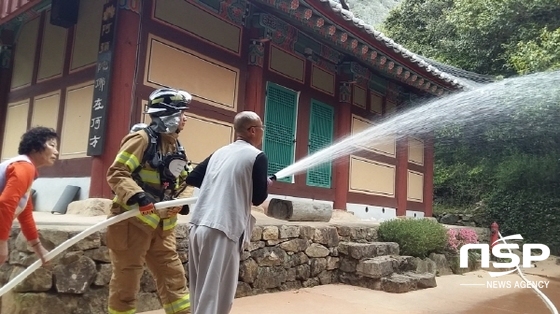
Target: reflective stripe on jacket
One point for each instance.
(119, 174)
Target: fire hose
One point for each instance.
(99, 226)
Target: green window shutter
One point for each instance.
(280, 131)
(321, 123)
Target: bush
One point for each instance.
(416, 237)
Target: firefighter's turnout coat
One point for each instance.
(144, 239)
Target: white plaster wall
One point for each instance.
(370, 212)
(49, 190)
(414, 213)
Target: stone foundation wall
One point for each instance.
(279, 258)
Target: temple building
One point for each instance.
(312, 70)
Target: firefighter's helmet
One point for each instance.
(167, 101)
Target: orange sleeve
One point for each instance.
(19, 177)
(27, 222)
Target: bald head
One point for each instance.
(248, 127)
(244, 120)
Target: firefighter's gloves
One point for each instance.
(145, 204)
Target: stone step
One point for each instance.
(359, 251)
(409, 281)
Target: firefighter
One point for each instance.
(151, 166)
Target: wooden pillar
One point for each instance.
(343, 128)
(428, 175)
(6, 67)
(402, 175)
(255, 85)
(121, 99)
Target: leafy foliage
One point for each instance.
(540, 54)
(416, 237)
(476, 35)
(510, 166)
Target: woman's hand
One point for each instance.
(40, 251)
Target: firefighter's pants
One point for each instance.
(131, 245)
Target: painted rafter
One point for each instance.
(364, 51)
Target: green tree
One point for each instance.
(475, 35)
(540, 54)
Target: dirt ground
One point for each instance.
(464, 294)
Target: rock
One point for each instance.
(376, 267)
(358, 234)
(291, 285)
(425, 265)
(294, 245)
(270, 277)
(5, 272)
(245, 255)
(298, 259)
(289, 231)
(326, 236)
(104, 273)
(449, 219)
(274, 242)
(398, 284)
(39, 281)
(94, 301)
(317, 250)
(52, 238)
(182, 231)
(147, 282)
(90, 207)
(404, 263)
(248, 270)
(92, 241)
(306, 232)
(148, 301)
(360, 281)
(348, 264)
(311, 282)
(100, 254)
(255, 245)
(364, 250)
(243, 290)
(325, 277)
(333, 251)
(343, 232)
(291, 274)
(270, 233)
(441, 264)
(41, 303)
(332, 262)
(423, 280)
(74, 275)
(269, 256)
(303, 272)
(256, 234)
(317, 266)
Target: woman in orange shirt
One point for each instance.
(37, 149)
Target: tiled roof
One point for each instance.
(434, 68)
